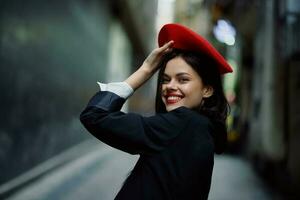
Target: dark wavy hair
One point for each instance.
(215, 107)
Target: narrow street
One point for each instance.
(100, 173)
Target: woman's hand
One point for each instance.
(149, 66)
(153, 59)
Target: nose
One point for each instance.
(172, 85)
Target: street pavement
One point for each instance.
(234, 179)
(100, 173)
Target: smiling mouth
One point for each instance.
(172, 99)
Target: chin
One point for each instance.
(172, 107)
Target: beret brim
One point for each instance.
(186, 39)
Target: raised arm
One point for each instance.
(149, 66)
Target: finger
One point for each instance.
(168, 50)
(167, 45)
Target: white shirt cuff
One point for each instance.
(121, 89)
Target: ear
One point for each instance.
(208, 91)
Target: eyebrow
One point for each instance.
(179, 74)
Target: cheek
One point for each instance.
(198, 99)
(162, 89)
(194, 96)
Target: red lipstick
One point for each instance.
(172, 98)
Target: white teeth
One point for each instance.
(173, 98)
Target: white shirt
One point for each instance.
(121, 89)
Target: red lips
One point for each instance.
(172, 98)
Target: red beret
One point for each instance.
(186, 39)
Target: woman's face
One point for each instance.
(182, 86)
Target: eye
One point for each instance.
(165, 80)
(183, 80)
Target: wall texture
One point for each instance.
(52, 53)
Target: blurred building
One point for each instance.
(194, 15)
(52, 54)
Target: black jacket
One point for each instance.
(176, 148)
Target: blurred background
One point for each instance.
(52, 53)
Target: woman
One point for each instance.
(177, 145)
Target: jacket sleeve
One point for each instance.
(130, 132)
